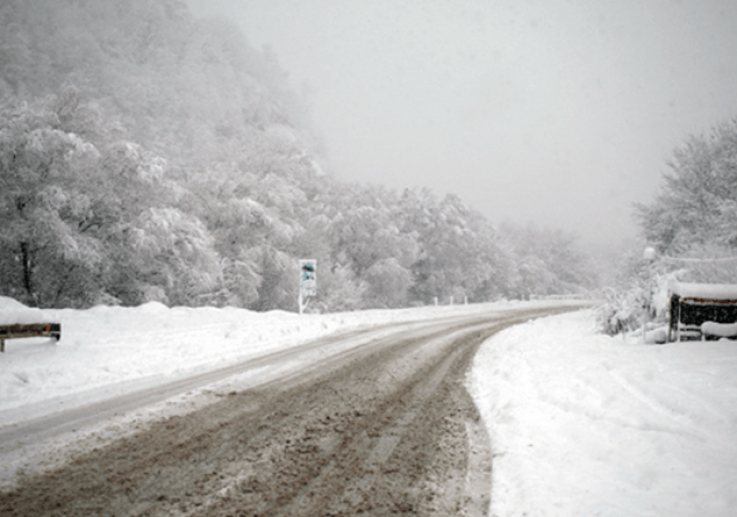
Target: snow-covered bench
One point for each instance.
(699, 311)
(19, 321)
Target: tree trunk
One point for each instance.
(26, 259)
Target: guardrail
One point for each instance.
(52, 330)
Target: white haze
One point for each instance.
(562, 112)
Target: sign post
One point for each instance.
(307, 281)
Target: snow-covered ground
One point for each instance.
(584, 424)
(581, 424)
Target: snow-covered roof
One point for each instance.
(707, 291)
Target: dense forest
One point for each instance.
(147, 155)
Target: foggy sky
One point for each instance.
(561, 112)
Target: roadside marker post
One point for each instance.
(307, 282)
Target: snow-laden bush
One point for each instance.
(621, 311)
(643, 303)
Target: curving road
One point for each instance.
(378, 422)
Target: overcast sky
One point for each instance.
(561, 112)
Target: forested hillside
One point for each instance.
(147, 155)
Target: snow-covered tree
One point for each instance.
(548, 261)
(460, 253)
(697, 202)
(45, 201)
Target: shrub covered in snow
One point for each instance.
(621, 311)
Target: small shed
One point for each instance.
(702, 311)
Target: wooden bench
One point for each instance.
(29, 330)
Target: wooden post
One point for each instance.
(2, 346)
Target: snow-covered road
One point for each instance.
(581, 424)
(379, 424)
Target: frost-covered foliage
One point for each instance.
(547, 261)
(149, 156)
(625, 305)
(697, 203)
(90, 220)
(620, 311)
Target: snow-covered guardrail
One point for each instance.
(52, 330)
(19, 321)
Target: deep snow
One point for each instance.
(584, 424)
(581, 424)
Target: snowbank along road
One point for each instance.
(383, 426)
